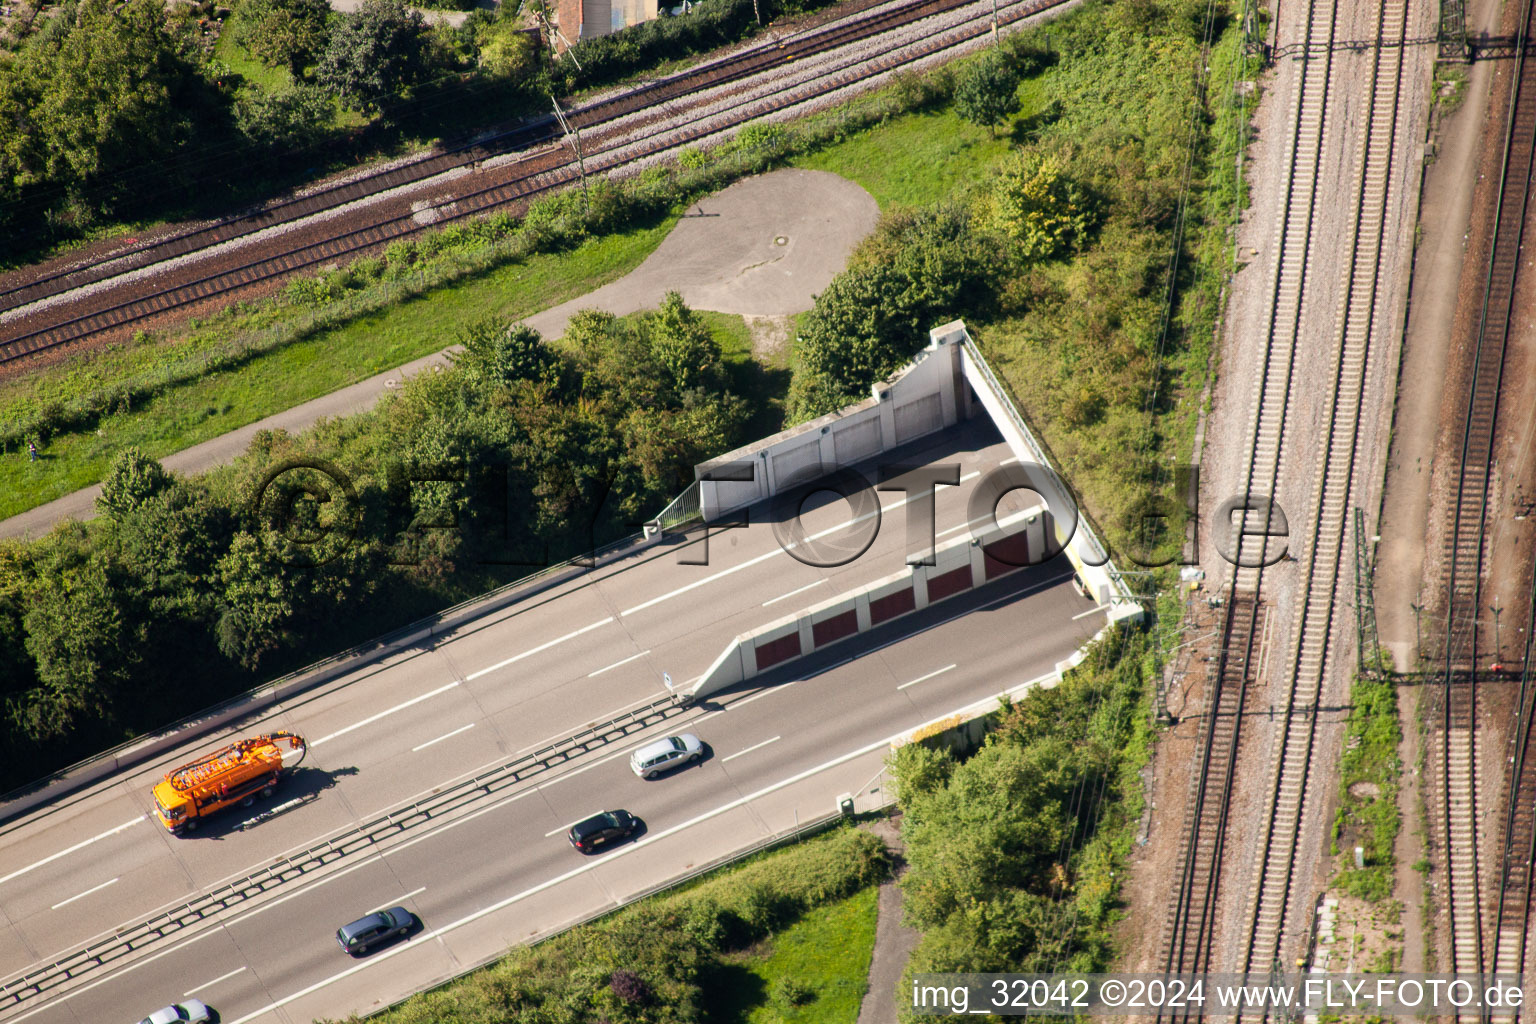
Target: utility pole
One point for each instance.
(994, 22)
(575, 136)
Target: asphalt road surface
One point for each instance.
(499, 870)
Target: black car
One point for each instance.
(603, 829)
(356, 937)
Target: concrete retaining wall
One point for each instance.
(917, 400)
(960, 565)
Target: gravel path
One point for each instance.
(894, 941)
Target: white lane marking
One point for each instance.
(780, 687)
(626, 661)
(610, 716)
(306, 889)
(445, 736)
(1090, 611)
(924, 679)
(749, 750)
(608, 858)
(769, 554)
(542, 647)
(792, 593)
(384, 714)
(399, 900)
(1009, 460)
(756, 696)
(78, 846)
(83, 895)
(215, 981)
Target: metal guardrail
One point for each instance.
(127, 940)
(684, 508)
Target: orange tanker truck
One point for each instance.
(235, 774)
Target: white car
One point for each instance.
(654, 758)
(194, 1011)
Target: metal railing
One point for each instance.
(684, 508)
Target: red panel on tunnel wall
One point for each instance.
(775, 651)
(949, 583)
(1011, 553)
(835, 628)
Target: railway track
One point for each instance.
(1356, 321)
(1462, 582)
(1192, 917)
(1191, 928)
(545, 172)
(1462, 577)
(1512, 949)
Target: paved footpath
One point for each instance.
(894, 941)
(764, 246)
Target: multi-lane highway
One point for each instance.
(498, 869)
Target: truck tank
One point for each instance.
(233, 774)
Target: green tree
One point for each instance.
(258, 603)
(917, 270)
(85, 640)
(503, 49)
(133, 479)
(987, 91)
(497, 353)
(683, 345)
(283, 33)
(1036, 204)
(112, 92)
(374, 54)
(283, 120)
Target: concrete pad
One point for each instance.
(765, 246)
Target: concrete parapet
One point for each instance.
(959, 565)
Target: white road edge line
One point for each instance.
(1090, 611)
(625, 851)
(215, 981)
(780, 688)
(78, 846)
(384, 714)
(749, 750)
(924, 679)
(398, 900)
(445, 736)
(769, 554)
(83, 895)
(536, 650)
(626, 661)
(792, 593)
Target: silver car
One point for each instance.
(193, 1011)
(654, 758)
